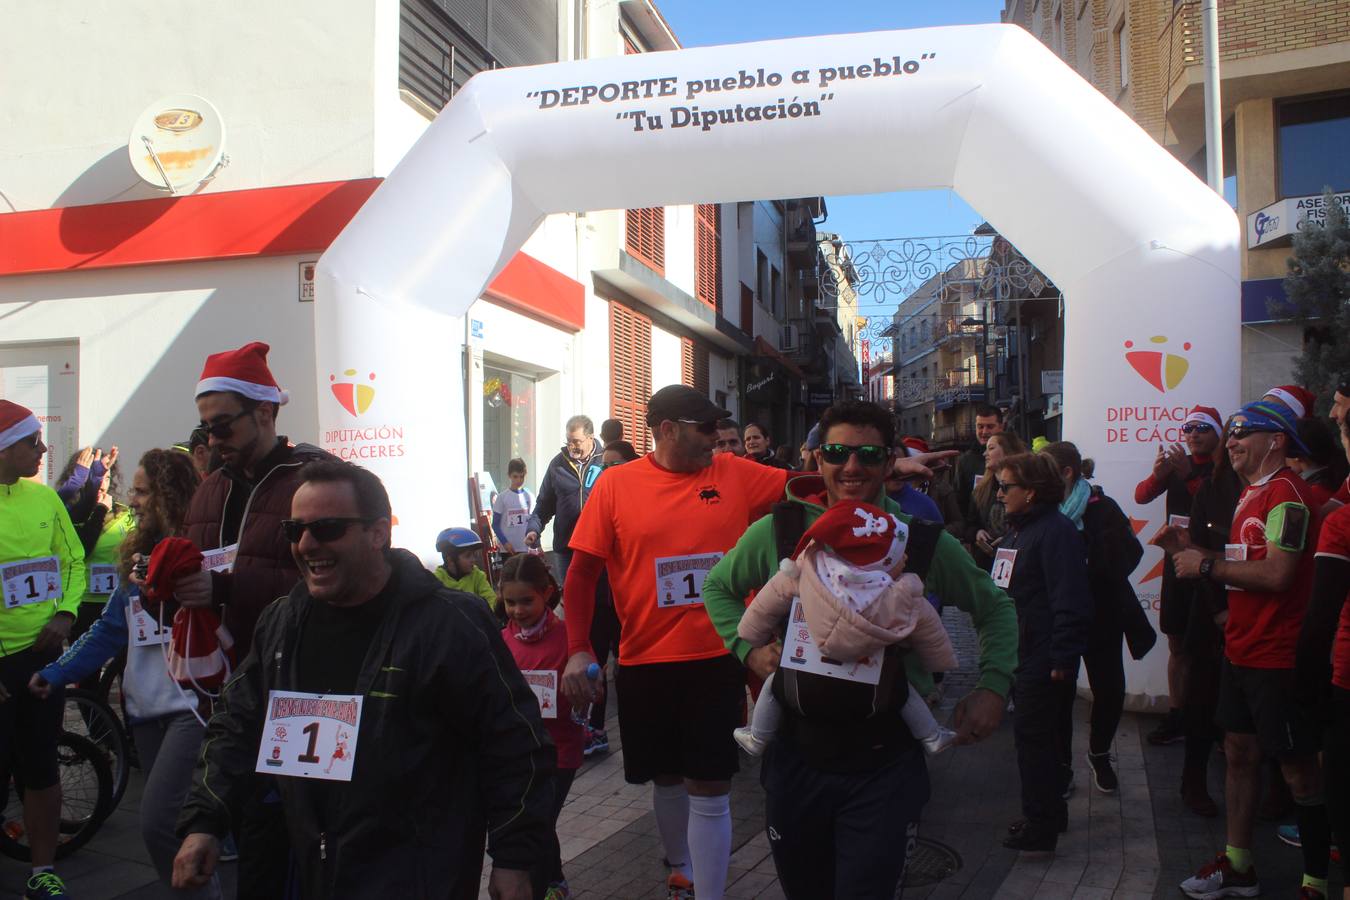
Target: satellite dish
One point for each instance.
(178, 143)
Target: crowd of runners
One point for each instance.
(351, 723)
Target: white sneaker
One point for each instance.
(747, 741)
(938, 741)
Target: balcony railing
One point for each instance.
(1180, 44)
(956, 328)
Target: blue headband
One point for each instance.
(1265, 416)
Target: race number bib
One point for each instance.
(102, 578)
(310, 735)
(800, 652)
(221, 559)
(517, 518)
(1235, 552)
(679, 579)
(145, 630)
(544, 683)
(31, 581)
(1182, 522)
(1003, 567)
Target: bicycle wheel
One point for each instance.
(89, 717)
(86, 800)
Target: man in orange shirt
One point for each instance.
(660, 524)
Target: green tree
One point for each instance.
(1318, 288)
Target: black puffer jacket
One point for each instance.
(562, 492)
(1050, 589)
(1113, 553)
(450, 745)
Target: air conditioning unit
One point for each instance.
(791, 338)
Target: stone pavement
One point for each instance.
(1137, 843)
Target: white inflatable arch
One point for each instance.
(1146, 255)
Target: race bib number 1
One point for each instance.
(544, 683)
(310, 735)
(517, 518)
(1003, 567)
(31, 581)
(801, 652)
(679, 579)
(102, 578)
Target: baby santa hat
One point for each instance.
(243, 371)
(1300, 400)
(16, 423)
(1205, 415)
(861, 534)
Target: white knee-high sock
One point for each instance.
(671, 805)
(767, 714)
(710, 844)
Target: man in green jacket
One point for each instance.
(42, 580)
(872, 792)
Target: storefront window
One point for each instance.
(1314, 135)
(509, 425)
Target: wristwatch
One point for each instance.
(1206, 567)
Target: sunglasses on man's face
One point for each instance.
(705, 428)
(1196, 428)
(1239, 432)
(871, 455)
(323, 530)
(221, 429)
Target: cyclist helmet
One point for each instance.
(457, 539)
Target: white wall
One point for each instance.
(145, 332)
(680, 248)
(666, 365)
(292, 81)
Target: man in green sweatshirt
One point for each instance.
(42, 580)
(848, 781)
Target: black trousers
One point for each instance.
(605, 642)
(264, 845)
(841, 836)
(1336, 767)
(1105, 668)
(549, 869)
(1043, 731)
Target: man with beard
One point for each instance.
(235, 519)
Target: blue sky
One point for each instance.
(701, 23)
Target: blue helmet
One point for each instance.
(458, 539)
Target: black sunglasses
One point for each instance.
(1005, 486)
(1238, 432)
(868, 454)
(708, 428)
(222, 429)
(325, 531)
(1193, 427)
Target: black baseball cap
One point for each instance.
(681, 403)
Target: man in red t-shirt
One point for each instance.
(658, 525)
(1267, 567)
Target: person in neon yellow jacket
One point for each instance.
(460, 548)
(42, 579)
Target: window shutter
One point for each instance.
(708, 254)
(645, 237)
(630, 371)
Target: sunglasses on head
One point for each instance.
(223, 428)
(868, 454)
(1196, 428)
(323, 530)
(708, 428)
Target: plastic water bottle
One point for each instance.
(592, 673)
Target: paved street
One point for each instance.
(1136, 844)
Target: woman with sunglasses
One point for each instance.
(164, 718)
(1041, 564)
(984, 516)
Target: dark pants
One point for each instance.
(1043, 730)
(561, 560)
(1106, 676)
(605, 642)
(1336, 766)
(264, 844)
(549, 870)
(840, 836)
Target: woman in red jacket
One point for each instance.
(538, 642)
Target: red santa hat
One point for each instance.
(1300, 400)
(1205, 415)
(243, 371)
(16, 423)
(859, 533)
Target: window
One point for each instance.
(444, 43)
(1121, 44)
(1314, 137)
(762, 286)
(645, 237)
(694, 365)
(776, 291)
(708, 254)
(630, 370)
(508, 423)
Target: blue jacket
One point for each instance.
(1049, 587)
(914, 502)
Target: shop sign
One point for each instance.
(1283, 217)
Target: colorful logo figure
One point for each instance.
(1158, 367)
(354, 396)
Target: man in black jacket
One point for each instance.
(395, 719)
(970, 465)
(562, 492)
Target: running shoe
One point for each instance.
(1308, 892)
(678, 887)
(46, 886)
(557, 891)
(597, 741)
(1218, 879)
(1103, 776)
(1169, 731)
(1289, 834)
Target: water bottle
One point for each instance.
(592, 673)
